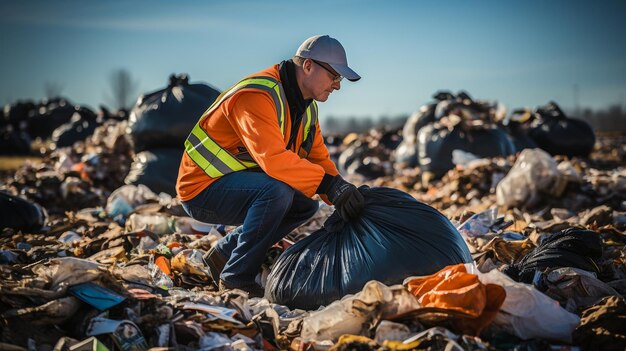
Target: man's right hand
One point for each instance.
(347, 199)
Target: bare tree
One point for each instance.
(52, 89)
(123, 89)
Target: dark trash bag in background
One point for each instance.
(157, 169)
(49, 116)
(520, 138)
(560, 135)
(406, 152)
(165, 118)
(14, 143)
(20, 214)
(437, 143)
(394, 238)
(83, 123)
(359, 158)
(16, 114)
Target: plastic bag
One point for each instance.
(157, 169)
(14, 142)
(406, 153)
(158, 223)
(571, 247)
(527, 313)
(20, 214)
(164, 118)
(124, 199)
(560, 135)
(395, 237)
(471, 304)
(436, 144)
(81, 125)
(534, 172)
(353, 313)
(50, 115)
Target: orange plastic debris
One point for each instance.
(453, 289)
(164, 264)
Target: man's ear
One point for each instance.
(306, 65)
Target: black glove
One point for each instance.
(346, 197)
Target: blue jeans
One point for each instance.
(265, 209)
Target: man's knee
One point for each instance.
(280, 193)
(304, 205)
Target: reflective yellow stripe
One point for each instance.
(209, 155)
(311, 119)
(206, 153)
(205, 141)
(281, 116)
(307, 125)
(268, 84)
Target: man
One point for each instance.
(256, 157)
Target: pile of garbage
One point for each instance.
(49, 124)
(524, 249)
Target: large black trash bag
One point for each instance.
(436, 144)
(51, 114)
(516, 126)
(164, 118)
(20, 214)
(560, 135)
(361, 158)
(394, 238)
(16, 114)
(14, 143)
(81, 125)
(408, 153)
(157, 169)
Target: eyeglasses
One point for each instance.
(336, 77)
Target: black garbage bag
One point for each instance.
(16, 114)
(520, 138)
(436, 144)
(14, 143)
(20, 214)
(50, 115)
(559, 134)
(417, 120)
(571, 247)
(119, 115)
(164, 118)
(81, 125)
(395, 237)
(157, 169)
(359, 158)
(408, 152)
(516, 126)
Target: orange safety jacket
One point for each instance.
(244, 125)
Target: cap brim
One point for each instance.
(346, 72)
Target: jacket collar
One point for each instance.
(297, 104)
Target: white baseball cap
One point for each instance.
(329, 50)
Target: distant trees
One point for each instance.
(334, 124)
(612, 119)
(124, 89)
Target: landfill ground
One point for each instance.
(124, 270)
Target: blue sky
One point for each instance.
(520, 53)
